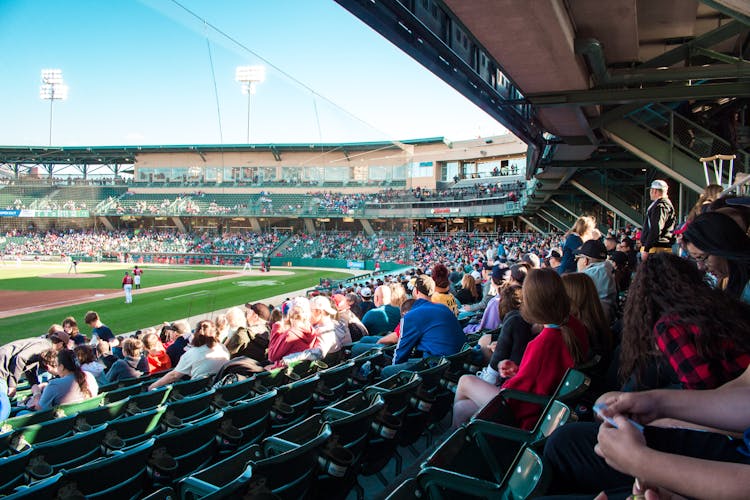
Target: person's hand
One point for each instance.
(622, 446)
(643, 407)
(507, 368)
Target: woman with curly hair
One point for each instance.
(673, 317)
(722, 248)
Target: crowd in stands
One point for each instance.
(535, 306)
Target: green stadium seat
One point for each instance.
(524, 478)
(486, 450)
(189, 409)
(101, 414)
(35, 417)
(333, 384)
(122, 393)
(13, 471)
(148, 400)
(396, 392)
(232, 393)
(70, 452)
(165, 493)
(298, 396)
(35, 434)
(118, 476)
(190, 387)
(183, 451)
(134, 429)
(251, 417)
(46, 488)
(75, 408)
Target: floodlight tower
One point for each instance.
(53, 89)
(249, 77)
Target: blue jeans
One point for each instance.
(391, 370)
(365, 344)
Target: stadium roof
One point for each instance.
(109, 155)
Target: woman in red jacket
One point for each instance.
(562, 344)
(294, 333)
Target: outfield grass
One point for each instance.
(166, 305)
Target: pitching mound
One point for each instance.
(76, 276)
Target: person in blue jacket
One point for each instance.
(430, 328)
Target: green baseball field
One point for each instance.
(35, 295)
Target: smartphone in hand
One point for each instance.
(599, 407)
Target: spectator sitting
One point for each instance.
(672, 316)
(251, 341)
(384, 317)
(104, 352)
(469, 292)
(205, 357)
(72, 386)
(562, 344)
(430, 328)
(331, 333)
(179, 335)
(157, 357)
(293, 334)
(356, 329)
(592, 261)
(442, 288)
(721, 247)
(133, 364)
(70, 326)
(87, 359)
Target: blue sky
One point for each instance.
(139, 73)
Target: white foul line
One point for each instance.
(197, 293)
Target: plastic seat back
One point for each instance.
(192, 448)
(148, 400)
(231, 393)
(44, 432)
(527, 477)
(120, 475)
(13, 471)
(73, 451)
(251, 417)
(46, 488)
(102, 414)
(137, 428)
(190, 408)
(75, 408)
(186, 388)
(228, 474)
(19, 421)
(122, 393)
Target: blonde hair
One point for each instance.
(468, 283)
(398, 294)
(584, 225)
(132, 347)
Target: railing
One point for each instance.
(686, 135)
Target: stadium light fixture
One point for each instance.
(53, 89)
(249, 77)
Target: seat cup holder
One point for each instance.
(281, 411)
(386, 426)
(336, 461)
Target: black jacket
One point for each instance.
(658, 228)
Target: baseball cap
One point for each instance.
(660, 185)
(499, 272)
(59, 337)
(323, 304)
(365, 292)
(553, 253)
(340, 302)
(594, 249)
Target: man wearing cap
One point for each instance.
(554, 259)
(366, 293)
(592, 261)
(127, 286)
(658, 226)
(430, 328)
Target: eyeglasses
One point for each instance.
(699, 258)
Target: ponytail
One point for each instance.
(68, 360)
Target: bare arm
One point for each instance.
(624, 448)
(167, 379)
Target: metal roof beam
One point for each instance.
(651, 94)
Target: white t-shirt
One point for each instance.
(201, 361)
